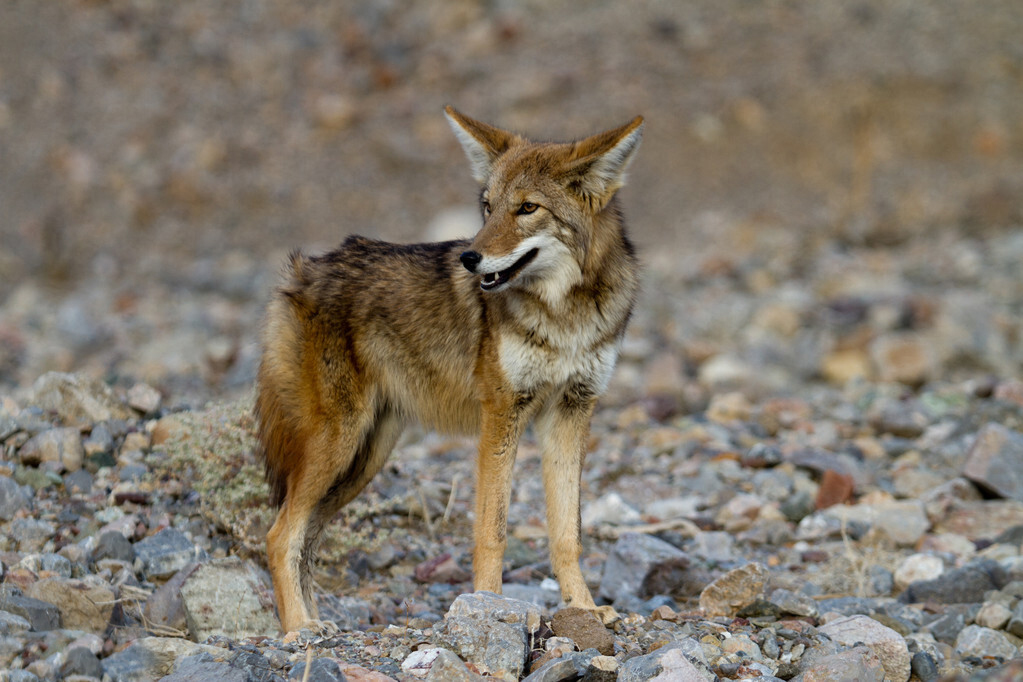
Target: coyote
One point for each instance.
(522, 323)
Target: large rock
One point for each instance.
(41, 615)
(227, 597)
(964, 585)
(492, 632)
(166, 553)
(82, 605)
(982, 642)
(735, 589)
(889, 645)
(995, 462)
(632, 559)
(152, 658)
(77, 400)
(859, 663)
(903, 521)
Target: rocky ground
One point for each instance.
(807, 465)
(798, 473)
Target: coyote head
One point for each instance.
(543, 203)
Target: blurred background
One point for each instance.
(158, 159)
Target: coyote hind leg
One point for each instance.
(337, 464)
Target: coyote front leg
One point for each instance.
(501, 428)
(563, 428)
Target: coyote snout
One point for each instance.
(363, 339)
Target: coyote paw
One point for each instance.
(606, 614)
(320, 628)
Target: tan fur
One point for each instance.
(364, 339)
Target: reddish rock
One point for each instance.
(835, 488)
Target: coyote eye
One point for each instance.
(486, 209)
(526, 208)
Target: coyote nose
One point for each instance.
(470, 259)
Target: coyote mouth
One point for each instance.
(492, 280)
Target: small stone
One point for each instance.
(632, 559)
(11, 623)
(100, 440)
(981, 642)
(227, 597)
(918, 567)
(58, 449)
(1015, 623)
(448, 666)
(841, 366)
(994, 615)
(144, 398)
(995, 462)
(113, 545)
(835, 488)
(903, 521)
(888, 644)
(734, 590)
(924, 666)
(583, 628)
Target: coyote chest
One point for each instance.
(557, 356)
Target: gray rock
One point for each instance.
(100, 440)
(30, 534)
(79, 482)
(978, 641)
(632, 559)
(113, 545)
(995, 462)
(924, 666)
(256, 666)
(492, 632)
(56, 449)
(20, 676)
(794, 603)
(80, 661)
(12, 624)
(559, 669)
(964, 585)
(1015, 624)
(77, 399)
(888, 644)
(12, 498)
(41, 615)
(946, 627)
(227, 597)
(151, 658)
(320, 670)
(202, 668)
(166, 553)
(668, 663)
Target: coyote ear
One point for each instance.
(598, 165)
(482, 143)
